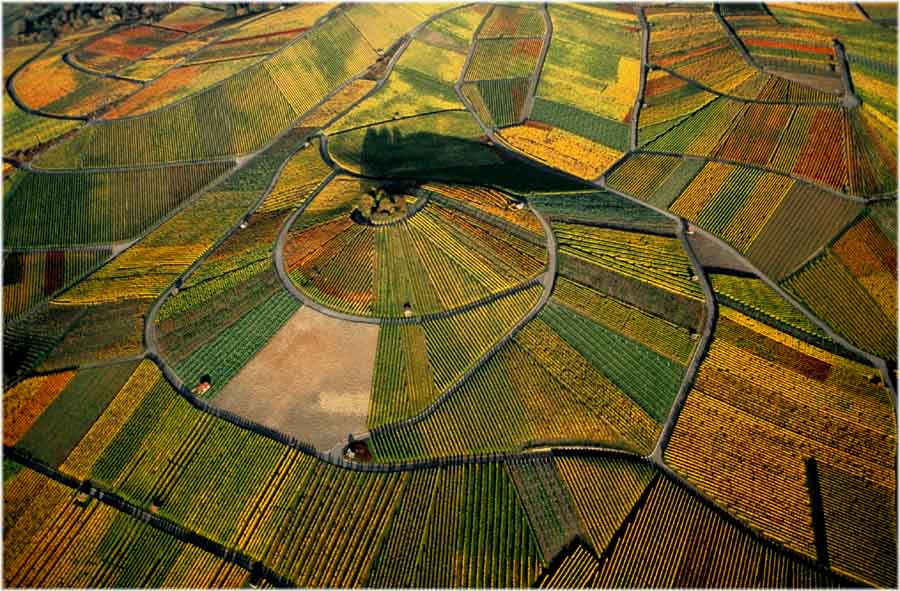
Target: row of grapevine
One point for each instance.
(200, 33)
(828, 145)
(227, 349)
(763, 402)
(587, 88)
(146, 269)
(102, 317)
(24, 403)
(657, 260)
(455, 29)
(648, 378)
(872, 259)
(416, 363)
(81, 459)
(62, 541)
(756, 212)
(765, 124)
(592, 70)
(422, 80)
(575, 571)
(50, 85)
(174, 85)
(449, 545)
(16, 55)
(859, 540)
(31, 277)
(84, 334)
(237, 116)
(535, 389)
(438, 259)
(783, 90)
(796, 211)
(700, 131)
(50, 209)
(550, 509)
(314, 523)
(852, 308)
(256, 46)
(675, 540)
(683, 311)
(658, 334)
(641, 175)
(667, 101)
(492, 202)
(24, 132)
(383, 24)
(513, 21)
(561, 149)
(239, 273)
(591, 206)
(498, 59)
(503, 63)
(753, 297)
(191, 18)
(71, 412)
(873, 65)
(691, 41)
(604, 130)
(716, 195)
(604, 491)
(113, 51)
(783, 47)
(498, 103)
(344, 99)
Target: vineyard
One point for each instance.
(757, 429)
(436, 295)
(100, 207)
(433, 259)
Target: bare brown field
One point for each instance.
(311, 381)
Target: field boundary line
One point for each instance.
(645, 68)
(700, 350)
(535, 78)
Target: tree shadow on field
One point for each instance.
(388, 152)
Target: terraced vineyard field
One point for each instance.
(437, 295)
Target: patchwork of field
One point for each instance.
(441, 295)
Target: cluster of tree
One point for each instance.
(380, 205)
(46, 21)
(242, 8)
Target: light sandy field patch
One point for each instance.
(311, 381)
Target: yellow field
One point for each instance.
(561, 149)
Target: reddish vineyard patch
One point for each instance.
(822, 156)
(529, 47)
(789, 46)
(689, 55)
(865, 250)
(133, 43)
(659, 86)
